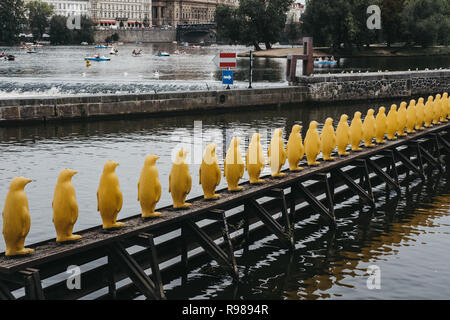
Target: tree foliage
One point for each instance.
(60, 34)
(253, 22)
(426, 22)
(340, 23)
(11, 20)
(38, 17)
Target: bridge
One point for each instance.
(219, 228)
(196, 33)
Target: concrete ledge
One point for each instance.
(320, 88)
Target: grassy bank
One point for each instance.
(373, 51)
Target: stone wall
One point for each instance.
(320, 88)
(43, 109)
(152, 35)
(379, 85)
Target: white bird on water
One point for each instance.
(84, 74)
(125, 74)
(156, 74)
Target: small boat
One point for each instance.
(97, 59)
(138, 42)
(325, 63)
(136, 55)
(162, 54)
(84, 43)
(101, 47)
(31, 51)
(7, 57)
(114, 51)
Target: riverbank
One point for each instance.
(319, 88)
(373, 51)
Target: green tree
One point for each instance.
(11, 20)
(86, 33)
(253, 22)
(59, 33)
(293, 30)
(426, 22)
(391, 19)
(327, 22)
(38, 17)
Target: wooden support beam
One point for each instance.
(32, 283)
(383, 175)
(365, 179)
(154, 262)
(279, 194)
(112, 290)
(134, 271)
(317, 205)
(408, 163)
(5, 294)
(212, 249)
(431, 160)
(443, 141)
(271, 223)
(391, 167)
(354, 186)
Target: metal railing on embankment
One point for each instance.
(172, 242)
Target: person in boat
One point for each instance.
(159, 53)
(134, 52)
(97, 56)
(332, 58)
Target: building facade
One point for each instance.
(174, 12)
(121, 13)
(295, 12)
(67, 7)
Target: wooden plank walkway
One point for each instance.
(95, 237)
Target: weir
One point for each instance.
(169, 245)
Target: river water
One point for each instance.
(60, 70)
(407, 237)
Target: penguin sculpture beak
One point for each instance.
(74, 172)
(27, 181)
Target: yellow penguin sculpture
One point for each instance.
(420, 114)
(295, 149)
(428, 111)
(401, 118)
(411, 115)
(254, 159)
(16, 218)
(343, 135)
(109, 196)
(444, 107)
(312, 144)
(180, 181)
(209, 173)
(437, 109)
(356, 131)
(234, 165)
(276, 153)
(381, 125)
(369, 129)
(149, 187)
(65, 207)
(327, 140)
(392, 123)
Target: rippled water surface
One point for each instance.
(62, 70)
(407, 237)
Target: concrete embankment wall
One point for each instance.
(378, 85)
(153, 35)
(320, 88)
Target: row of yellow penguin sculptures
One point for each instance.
(16, 217)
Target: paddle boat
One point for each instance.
(97, 58)
(137, 53)
(101, 47)
(325, 63)
(7, 57)
(31, 51)
(162, 54)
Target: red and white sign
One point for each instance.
(227, 60)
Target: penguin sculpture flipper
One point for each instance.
(170, 181)
(200, 175)
(138, 191)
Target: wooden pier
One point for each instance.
(168, 245)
